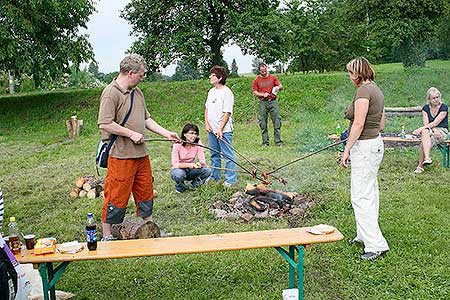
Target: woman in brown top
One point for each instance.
(365, 148)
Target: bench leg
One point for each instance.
(294, 267)
(49, 278)
(445, 149)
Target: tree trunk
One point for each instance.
(132, 228)
(11, 83)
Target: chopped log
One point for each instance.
(87, 186)
(82, 193)
(74, 193)
(94, 184)
(132, 228)
(92, 194)
(80, 181)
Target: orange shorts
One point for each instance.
(126, 176)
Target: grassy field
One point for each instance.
(39, 167)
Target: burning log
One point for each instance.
(132, 228)
(261, 190)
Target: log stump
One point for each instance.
(133, 228)
(74, 127)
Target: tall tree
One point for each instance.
(41, 37)
(195, 31)
(234, 69)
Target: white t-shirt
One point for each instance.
(219, 102)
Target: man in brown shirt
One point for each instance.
(129, 169)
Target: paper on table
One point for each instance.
(321, 229)
(70, 247)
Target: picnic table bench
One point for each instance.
(296, 239)
(444, 147)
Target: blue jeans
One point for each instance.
(223, 148)
(196, 176)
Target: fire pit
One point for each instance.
(260, 202)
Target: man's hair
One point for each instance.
(433, 91)
(132, 62)
(220, 72)
(361, 68)
(262, 65)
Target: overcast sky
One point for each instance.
(109, 37)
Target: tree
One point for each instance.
(195, 31)
(320, 38)
(405, 28)
(41, 38)
(255, 65)
(234, 69)
(93, 68)
(184, 71)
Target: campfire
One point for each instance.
(260, 202)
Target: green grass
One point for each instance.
(39, 167)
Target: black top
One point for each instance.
(444, 122)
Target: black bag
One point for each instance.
(101, 160)
(8, 277)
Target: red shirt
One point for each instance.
(265, 85)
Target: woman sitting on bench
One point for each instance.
(184, 166)
(435, 127)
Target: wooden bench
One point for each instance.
(403, 111)
(296, 239)
(444, 147)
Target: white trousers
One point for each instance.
(366, 157)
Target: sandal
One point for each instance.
(419, 170)
(427, 162)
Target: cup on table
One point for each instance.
(6, 239)
(29, 241)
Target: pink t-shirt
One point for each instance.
(181, 154)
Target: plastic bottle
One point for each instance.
(14, 240)
(403, 132)
(338, 130)
(91, 232)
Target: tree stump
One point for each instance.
(132, 228)
(74, 127)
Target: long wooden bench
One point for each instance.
(296, 239)
(444, 147)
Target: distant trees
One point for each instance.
(93, 68)
(185, 71)
(196, 31)
(234, 69)
(42, 38)
(255, 65)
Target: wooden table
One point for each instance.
(295, 239)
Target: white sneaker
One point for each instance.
(227, 184)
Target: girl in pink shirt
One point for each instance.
(184, 166)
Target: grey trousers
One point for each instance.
(270, 108)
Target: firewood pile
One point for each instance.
(88, 186)
(260, 202)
